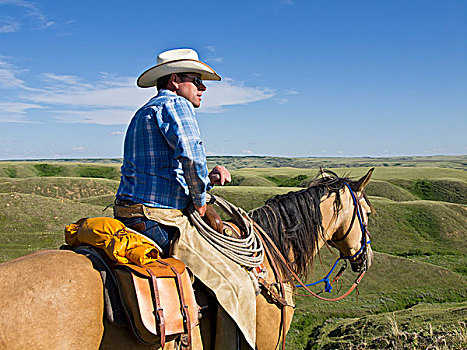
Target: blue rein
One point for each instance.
(325, 279)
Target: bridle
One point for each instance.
(361, 254)
(361, 257)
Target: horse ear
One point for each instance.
(360, 184)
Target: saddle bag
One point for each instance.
(159, 300)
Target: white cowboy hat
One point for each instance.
(176, 61)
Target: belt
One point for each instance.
(141, 210)
(124, 202)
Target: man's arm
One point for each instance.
(219, 175)
(180, 129)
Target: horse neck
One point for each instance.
(332, 221)
(292, 247)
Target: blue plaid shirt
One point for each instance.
(164, 163)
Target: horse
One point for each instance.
(53, 299)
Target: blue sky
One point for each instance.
(300, 78)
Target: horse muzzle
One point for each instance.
(363, 260)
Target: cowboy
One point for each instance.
(164, 162)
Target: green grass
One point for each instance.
(102, 172)
(300, 180)
(453, 191)
(60, 187)
(418, 228)
(103, 200)
(249, 197)
(418, 279)
(10, 172)
(391, 284)
(423, 326)
(33, 213)
(388, 190)
(15, 243)
(29, 222)
(453, 262)
(45, 169)
(59, 169)
(239, 179)
(380, 173)
(458, 162)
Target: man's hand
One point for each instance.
(219, 175)
(201, 210)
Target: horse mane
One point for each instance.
(294, 220)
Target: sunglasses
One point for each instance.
(197, 81)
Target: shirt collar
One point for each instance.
(165, 92)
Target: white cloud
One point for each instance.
(12, 112)
(95, 116)
(9, 25)
(291, 92)
(109, 92)
(247, 151)
(229, 93)
(116, 133)
(215, 60)
(66, 80)
(8, 74)
(212, 50)
(110, 100)
(31, 10)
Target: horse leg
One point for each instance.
(226, 331)
(269, 323)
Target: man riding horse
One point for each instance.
(164, 162)
(165, 169)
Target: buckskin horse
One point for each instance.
(54, 299)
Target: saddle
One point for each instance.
(228, 228)
(157, 295)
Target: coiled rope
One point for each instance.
(247, 251)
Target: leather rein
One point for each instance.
(361, 255)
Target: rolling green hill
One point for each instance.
(60, 169)
(414, 294)
(29, 222)
(391, 284)
(388, 190)
(435, 189)
(61, 187)
(238, 162)
(423, 326)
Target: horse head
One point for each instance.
(350, 235)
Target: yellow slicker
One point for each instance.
(111, 236)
